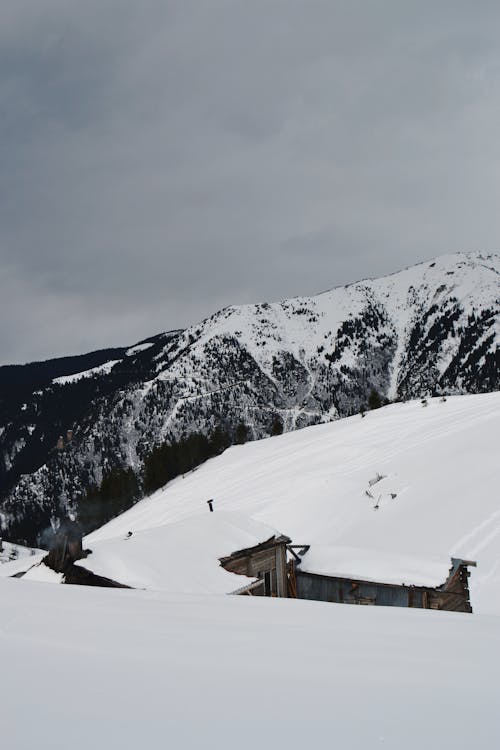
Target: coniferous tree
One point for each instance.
(277, 426)
(117, 492)
(169, 460)
(374, 400)
(241, 434)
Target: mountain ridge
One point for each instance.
(426, 330)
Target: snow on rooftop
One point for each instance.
(179, 557)
(43, 574)
(375, 565)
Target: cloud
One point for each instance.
(163, 159)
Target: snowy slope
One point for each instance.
(104, 369)
(440, 461)
(433, 328)
(97, 668)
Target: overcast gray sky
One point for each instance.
(161, 159)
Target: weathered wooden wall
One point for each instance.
(267, 558)
(452, 596)
(268, 562)
(345, 591)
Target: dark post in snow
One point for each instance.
(211, 505)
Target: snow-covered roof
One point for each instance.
(42, 573)
(375, 565)
(179, 557)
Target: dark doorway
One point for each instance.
(267, 583)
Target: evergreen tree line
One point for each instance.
(118, 491)
(170, 460)
(120, 488)
(375, 401)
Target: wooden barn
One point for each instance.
(277, 567)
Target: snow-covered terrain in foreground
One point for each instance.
(98, 668)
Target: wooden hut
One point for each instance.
(266, 562)
(275, 566)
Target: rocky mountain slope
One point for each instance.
(429, 329)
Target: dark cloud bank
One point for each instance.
(162, 159)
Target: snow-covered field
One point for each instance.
(184, 666)
(99, 668)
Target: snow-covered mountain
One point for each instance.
(429, 329)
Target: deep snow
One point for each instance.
(98, 668)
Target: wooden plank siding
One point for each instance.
(452, 596)
(267, 558)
